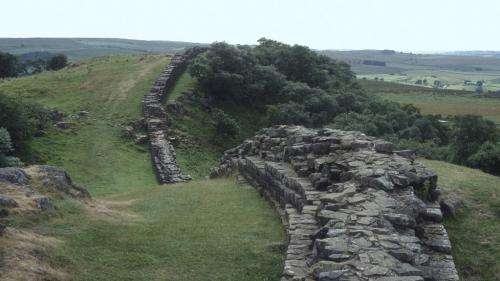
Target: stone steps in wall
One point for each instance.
(287, 176)
(281, 191)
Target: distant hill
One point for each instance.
(81, 48)
(453, 70)
(474, 53)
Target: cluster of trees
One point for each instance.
(295, 85)
(12, 66)
(19, 122)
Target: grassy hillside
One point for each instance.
(81, 48)
(136, 229)
(110, 89)
(407, 68)
(431, 101)
(475, 232)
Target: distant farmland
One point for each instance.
(431, 101)
(454, 71)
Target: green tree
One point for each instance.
(290, 113)
(57, 62)
(22, 120)
(225, 125)
(9, 65)
(470, 132)
(486, 158)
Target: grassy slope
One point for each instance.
(203, 230)
(185, 83)
(205, 147)
(437, 102)
(475, 232)
(111, 89)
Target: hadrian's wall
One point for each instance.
(162, 152)
(354, 208)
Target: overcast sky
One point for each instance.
(406, 25)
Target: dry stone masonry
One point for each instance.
(354, 208)
(162, 152)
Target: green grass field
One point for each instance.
(185, 83)
(431, 101)
(475, 232)
(450, 105)
(136, 229)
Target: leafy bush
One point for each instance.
(290, 113)
(427, 149)
(20, 121)
(486, 158)
(9, 65)
(5, 149)
(5, 141)
(57, 62)
(469, 133)
(226, 126)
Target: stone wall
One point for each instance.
(354, 209)
(162, 152)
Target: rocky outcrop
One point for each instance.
(162, 152)
(29, 190)
(354, 209)
(28, 196)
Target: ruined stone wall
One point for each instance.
(354, 209)
(162, 152)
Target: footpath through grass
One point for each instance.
(475, 232)
(136, 229)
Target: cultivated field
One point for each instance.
(406, 68)
(430, 101)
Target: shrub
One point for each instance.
(22, 120)
(486, 158)
(427, 149)
(5, 149)
(5, 141)
(10, 161)
(9, 65)
(469, 133)
(290, 113)
(57, 62)
(225, 125)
